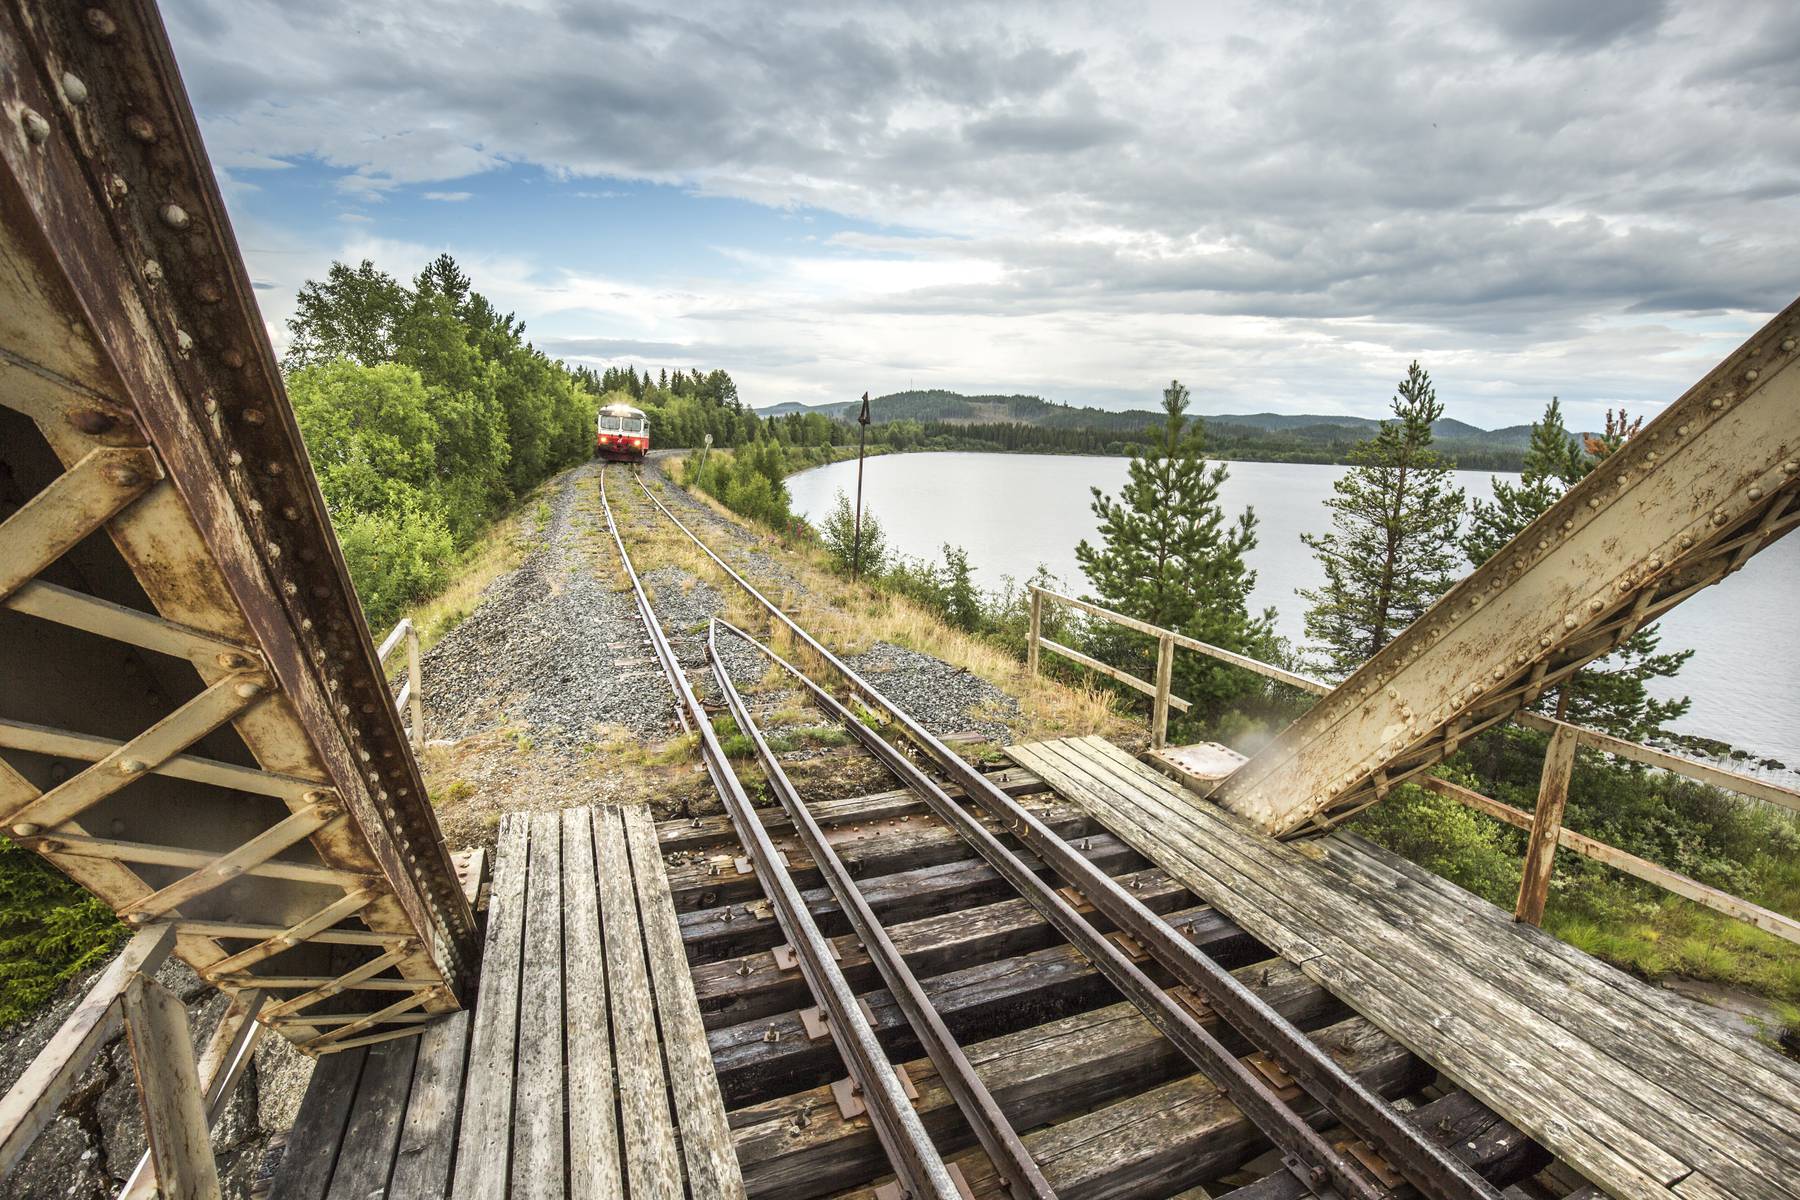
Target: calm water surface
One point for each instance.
(1012, 512)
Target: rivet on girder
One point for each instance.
(1755, 493)
(140, 127)
(232, 357)
(100, 24)
(1791, 466)
(133, 766)
(1681, 430)
(25, 829)
(73, 89)
(1787, 343)
(250, 690)
(1596, 604)
(208, 291)
(36, 128)
(184, 341)
(175, 216)
(1751, 375)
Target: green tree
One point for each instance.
(353, 315)
(837, 532)
(1168, 555)
(1552, 463)
(1611, 694)
(1392, 548)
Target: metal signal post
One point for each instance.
(862, 432)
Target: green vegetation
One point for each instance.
(426, 413)
(1392, 548)
(1610, 694)
(1168, 556)
(50, 931)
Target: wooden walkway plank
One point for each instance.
(1695, 1029)
(1614, 1068)
(486, 1138)
(594, 1167)
(1638, 1038)
(366, 1159)
(312, 1149)
(537, 1133)
(712, 1166)
(1264, 908)
(647, 1130)
(428, 1136)
(1477, 1034)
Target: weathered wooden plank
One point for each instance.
(422, 1160)
(537, 1126)
(712, 1167)
(1374, 970)
(1624, 1067)
(594, 1165)
(483, 1145)
(752, 985)
(1180, 1133)
(1590, 995)
(366, 1160)
(312, 1149)
(699, 833)
(174, 1108)
(647, 1130)
(1458, 1122)
(32, 1102)
(868, 851)
(797, 1143)
(1649, 1039)
(774, 1054)
(1546, 825)
(735, 929)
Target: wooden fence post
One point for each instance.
(1546, 825)
(414, 677)
(162, 1056)
(1165, 674)
(1037, 630)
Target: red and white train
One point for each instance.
(621, 434)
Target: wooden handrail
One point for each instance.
(1567, 839)
(1544, 825)
(412, 692)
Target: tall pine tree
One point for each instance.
(1169, 557)
(1613, 693)
(1392, 549)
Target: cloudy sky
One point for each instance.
(1278, 203)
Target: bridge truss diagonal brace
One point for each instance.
(1684, 503)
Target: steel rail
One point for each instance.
(1429, 1167)
(992, 1128)
(1304, 1152)
(897, 1125)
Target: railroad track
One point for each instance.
(976, 922)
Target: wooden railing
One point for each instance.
(1167, 641)
(412, 691)
(1544, 823)
(181, 1099)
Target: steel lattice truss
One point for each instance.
(1686, 502)
(192, 720)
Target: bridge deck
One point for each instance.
(1639, 1089)
(583, 1066)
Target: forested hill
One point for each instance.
(1033, 423)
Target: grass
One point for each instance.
(852, 617)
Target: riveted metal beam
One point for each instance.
(1707, 484)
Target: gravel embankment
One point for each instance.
(551, 646)
(943, 698)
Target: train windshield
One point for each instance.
(620, 424)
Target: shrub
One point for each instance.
(837, 532)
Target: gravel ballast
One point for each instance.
(551, 646)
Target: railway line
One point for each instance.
(967, 915)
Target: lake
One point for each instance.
(1012, 512)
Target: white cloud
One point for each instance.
(1283, 204)
(446, 197)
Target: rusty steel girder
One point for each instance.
(1709, 483)
(193, 721)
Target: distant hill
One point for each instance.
(1324, 430)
